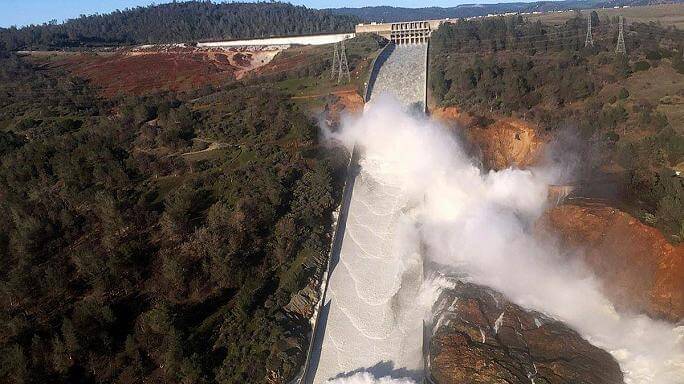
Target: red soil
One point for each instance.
(639, 269)
(140, 72)
(504, 143)
(149, 72)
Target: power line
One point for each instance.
(344, 66)
(335, 60)
(620, 48)
(589, 40)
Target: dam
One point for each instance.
(369, 320)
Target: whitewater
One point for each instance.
(479, 224)
(371, 319)
(418, 197)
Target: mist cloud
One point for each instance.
(367, 378)
(480, 224)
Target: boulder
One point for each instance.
(480, 337)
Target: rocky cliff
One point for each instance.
(500, 143)
(480, 337)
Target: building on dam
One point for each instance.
(405, 32)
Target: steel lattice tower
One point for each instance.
(590, 39)
(344, 67)
(620, 48)
(335, 60)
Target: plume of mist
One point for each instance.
(478, 224)
(367, 378)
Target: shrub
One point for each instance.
(641, 66)
(653, 55)
(623, 94)
(678, 63)
(621, 67)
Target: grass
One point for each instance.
(310, 90)
(206, 154)
(665, 14)
(661, 86)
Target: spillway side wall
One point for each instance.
(375, 68)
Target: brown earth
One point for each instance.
(660, 86)
(501, 144)
(483, 338)
(335, 105)
(639, 270)
(140, 72)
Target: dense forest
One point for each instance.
(176, 23)
(546, 75)
(157, 238)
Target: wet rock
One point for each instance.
(480, 337)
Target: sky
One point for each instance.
(24, 12)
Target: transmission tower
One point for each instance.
(620, 48)
(335, 64)
(344, 67)
(590, 39)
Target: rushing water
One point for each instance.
(419, 196)
(370, 320)
(478, 224)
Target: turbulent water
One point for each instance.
(370, 319)
(418, 196)
(403, 75)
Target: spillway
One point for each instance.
(369, 320)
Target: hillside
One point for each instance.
(153, 236)
(172, 230)
(623, 111)
(390, 14)
(178, 22)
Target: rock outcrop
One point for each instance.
(480, 337)
(304, 302)
(639, 270)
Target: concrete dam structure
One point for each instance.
(403, 32)
(369, 321)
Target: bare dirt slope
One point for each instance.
(639, 269)
(149, 70)
(500, 144)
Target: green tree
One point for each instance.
(179, 209)
(13, 365)
(595, 21)
(61, 360)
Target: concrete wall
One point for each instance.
(307, 374)
(375, 68)
(288, 40)
(359, 325)
(409, 32)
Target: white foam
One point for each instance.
(477, 223)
